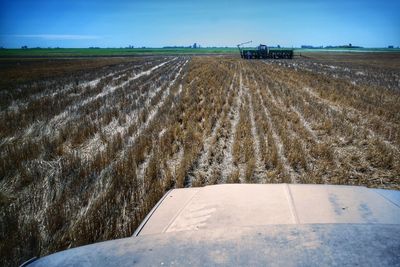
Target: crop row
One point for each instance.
(85, 160)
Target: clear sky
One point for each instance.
(157, 23)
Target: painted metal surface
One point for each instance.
(272, 245)
(217, 206)
(256, 225)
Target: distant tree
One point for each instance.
(24, 47)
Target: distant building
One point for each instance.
(390, 46)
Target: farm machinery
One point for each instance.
(264, 52)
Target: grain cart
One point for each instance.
(264, 52)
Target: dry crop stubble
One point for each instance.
(85, 157)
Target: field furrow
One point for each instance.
(85, 155)
(229, 172)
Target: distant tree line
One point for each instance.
(330, 46)
(194, 46)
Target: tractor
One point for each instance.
(264, 52)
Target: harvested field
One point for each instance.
(87, 153)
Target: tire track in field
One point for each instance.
(55, 92)
(222, 144)
(175, 159)
(111, 89)
(306, 150)
(67, 114)
(142, 168)
(144, 126)
(294, 130)
(203, 167)
(306, 125)
(234, 114)
(256, 141)
(154, 111)
(208, 165)
(277, 140)
(92, 145)
(283, 104)
(42, 125)
(338, 162)
(95, 144)
(101, 186)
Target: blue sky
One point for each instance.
(119, 23)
